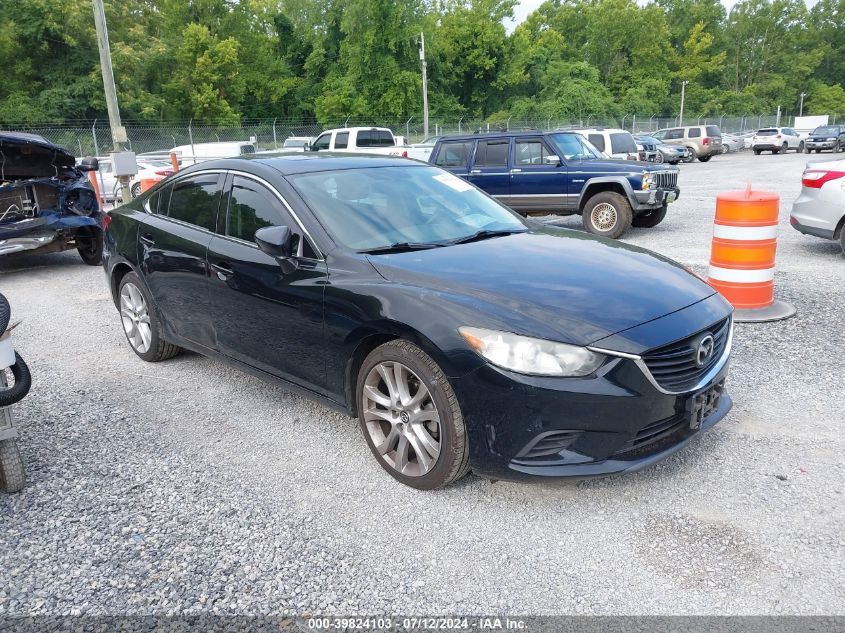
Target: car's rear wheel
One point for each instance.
(842, 241)
(650, 219)
(140, 321)
(800, 149)
(704, 159)
(410, 417)
(12, 477)
(756, 152)
(607, 214)
(89, 245)
(135, 190)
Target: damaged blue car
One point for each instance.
(47, 203)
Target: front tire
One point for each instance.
(650, 219)
(659, 158)
(12, 477)
(691, 155)
(140, 321)
(135, 190)
(410, 417)
(607, 214)
(89, 245)
(800, 149)
(756, 152)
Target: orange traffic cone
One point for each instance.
(742, 260)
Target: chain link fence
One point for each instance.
(87, 138)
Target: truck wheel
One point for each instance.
(756, 152)
(650, 219)
(12, 477)
(607, 214)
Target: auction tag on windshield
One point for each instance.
(454, 182)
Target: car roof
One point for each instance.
(491, 134)
(305, 162)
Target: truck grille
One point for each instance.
(675, 366)
(666, 179)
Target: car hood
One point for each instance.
(619, 166)
(25, 155)
(550, 283)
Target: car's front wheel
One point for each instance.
(659, 158)
(89, 245)
(650, 219)
(607, 214)
(691, 155)
(410, 417)
(800, 149)
(140, 321)
(135, 190)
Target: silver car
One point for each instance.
(820, 209)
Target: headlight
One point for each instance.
(648, 180)
(528, 355)
(831, 139)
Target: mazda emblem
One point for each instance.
(705, 350)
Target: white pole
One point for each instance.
(681, 116)
(801, 108)
(424, 85)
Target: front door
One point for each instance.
(262, 315)
(538, 177)
(454, 156)
(489, 168)
(173, 243)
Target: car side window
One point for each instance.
(453, 154)
(492, 153)
(151, 203)
(195, 199)
(341, 140)
(675, 133)
(597, 140)
(322, 142)
(251, 207)
(530, 152)
(694, 132)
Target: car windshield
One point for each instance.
(647, 139)
(826, 131)
(378, 207)
(573, 146)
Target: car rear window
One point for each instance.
(375, 138)
(622, 143)
(453, 154)
(713, 130)
(766, 132)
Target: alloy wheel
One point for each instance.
(604, 216)
(401, 419)
(135, 316)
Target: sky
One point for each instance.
(524, 7)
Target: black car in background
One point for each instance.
(826, 137)
(47, 203)
(461, 335)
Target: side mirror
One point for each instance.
(89, 163)
(552, 159)
(276, 241)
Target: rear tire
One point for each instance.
(756, 152)
(607, 214)
(135, 190)
(140, 321)
(842, 241)
(800, 149)
(650, 219)
(704, 159)
(410, 417)
(12, 477)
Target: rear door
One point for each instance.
(173, 241)
(538, 178)
(262, 315)
(454, 156)
(489, 167)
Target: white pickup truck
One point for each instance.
(366, 140)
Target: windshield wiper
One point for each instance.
(485, 234)
(400, 247)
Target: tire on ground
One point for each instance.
(159, 348)
(704, 159)
(12, 478)
(453, 459)
(650, 219)
(89, 245)
(620, 207)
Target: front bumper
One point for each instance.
(820, 144)
(651, 198)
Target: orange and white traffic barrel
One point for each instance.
(742, 258)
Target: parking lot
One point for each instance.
(188, 486)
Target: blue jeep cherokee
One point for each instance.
(560, 172)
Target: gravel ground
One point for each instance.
(188, 486)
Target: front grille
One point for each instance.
(666, 179)
(675, 366)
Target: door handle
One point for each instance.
(224, 273)
(475, 171)
(147, 239)
(516, 171)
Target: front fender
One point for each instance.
(621, 181)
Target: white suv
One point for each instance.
(776, 140)
(613, 142)
(820, 209)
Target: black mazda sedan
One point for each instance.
(461, 335)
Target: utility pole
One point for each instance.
(683, 90)
(118, 132)
(801, 108)
(777, 122)
(424, 86)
